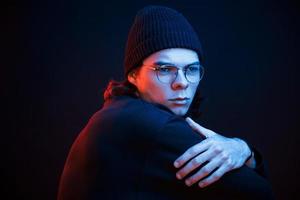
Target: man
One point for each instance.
(143, 144)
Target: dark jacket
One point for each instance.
(127, 151)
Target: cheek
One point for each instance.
(157, 91)
(151, 89)
(193, 90)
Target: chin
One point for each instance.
(179, 112)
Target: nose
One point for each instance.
(180, 81)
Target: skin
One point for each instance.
(152, 90)
(223, 153)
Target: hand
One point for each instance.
(222, 154)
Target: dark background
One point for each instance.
(61, 54)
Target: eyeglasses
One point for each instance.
(167, 73)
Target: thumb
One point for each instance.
(200, 129)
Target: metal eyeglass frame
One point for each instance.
(157, 67)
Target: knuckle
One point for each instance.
(217, 149)
(198, 160)
(224, 156)
(212, 178)
(205, 170)
(216, 176)
(195, 162)
(188, 155)
(192, 151)
(229, 163)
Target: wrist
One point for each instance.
(249, 157)
(251, 161)
(248, 153)
(245, 149)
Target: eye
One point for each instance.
(165, 69)
(193, 68)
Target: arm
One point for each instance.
(221, 154)
(173, 140)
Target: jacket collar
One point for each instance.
(124, 97)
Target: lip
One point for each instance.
(180, 100)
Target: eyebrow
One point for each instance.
(168, 63)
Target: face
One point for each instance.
(176, 95)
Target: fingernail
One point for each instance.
(178, 176)
(176, 164)
(188, 183)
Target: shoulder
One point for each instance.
(128, 111)
(129, 119)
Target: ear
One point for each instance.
(132, 77)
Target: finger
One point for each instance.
(195, 125)
(204, 171)
(214, 176)
(191, 152)
(194, 163)
(200, 129)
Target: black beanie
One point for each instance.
(156, 28)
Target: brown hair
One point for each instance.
(120, 88)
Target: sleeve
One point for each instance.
(172, 140)
(81, 166)
(168, 144)
(260, 167)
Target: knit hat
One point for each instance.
(156, 28)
